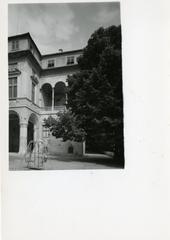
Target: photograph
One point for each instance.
(65, 86)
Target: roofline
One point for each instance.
(27, 35)
(20, 35)
(62, 53)
(28, 54)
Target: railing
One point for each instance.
(59, 108)
(13, 69)
(46, 108)
(55, 108)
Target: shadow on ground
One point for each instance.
(66, 162)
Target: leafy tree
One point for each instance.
(65, 126)
(95, 92)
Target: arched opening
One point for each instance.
(14, 132)
(59, 94)
(32, 128)
(46, 96)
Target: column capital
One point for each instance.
(23, 124)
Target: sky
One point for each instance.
(66, 26)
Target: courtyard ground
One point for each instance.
(66, 162)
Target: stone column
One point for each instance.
(40, 98)
(23, 137)
(52, 99)
(40, 130)
(36, 133)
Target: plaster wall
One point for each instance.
(59, 61)
(57, 146)
(53, 79)
(23, 45)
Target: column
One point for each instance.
(53, 99)
(36, 133)
(41, 129)
(23, 138)
(40, 98)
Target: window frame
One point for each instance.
(14, 86)
(70, 60)
(45, 132)
(51, 63)
(15, 45)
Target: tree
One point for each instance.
(65, 126)
(95, 92)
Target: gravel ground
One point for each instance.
(89, 161)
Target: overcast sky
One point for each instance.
(67, 26)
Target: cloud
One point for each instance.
(106, 16)
(49, 24)
(61, 25)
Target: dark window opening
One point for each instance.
(50, 63)
(33, 92)
(70, 149)
(70, 60)
(13, 87)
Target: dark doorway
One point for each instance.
(14, 132)
(70, 149)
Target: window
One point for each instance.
(50, 63)
(33, 92)
(13, 87)
(46, 132)
(15, 45)
(70, 60)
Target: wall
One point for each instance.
(57, 146)
(53, 79)
(59, 61)
(35, 52)
(23, 45)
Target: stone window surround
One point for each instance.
(13, 86)
(15, 45)
(51, 63)
(70, 60)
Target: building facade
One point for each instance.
(37, 89)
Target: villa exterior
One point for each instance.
(37, 89)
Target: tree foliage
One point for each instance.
(65, 126)
(95, 92)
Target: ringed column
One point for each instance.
(23, 137)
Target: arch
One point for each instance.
(46, 91)
(32, 128)
(14, 131)
(33, 118)
(59, 94)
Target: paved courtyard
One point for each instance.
(60, 162)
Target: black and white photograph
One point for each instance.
(65, 86)
(85, 121)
